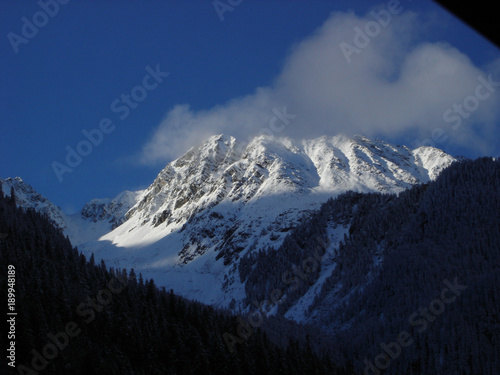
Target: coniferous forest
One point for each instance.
(415, 290)
(79, 317)
(392, 267)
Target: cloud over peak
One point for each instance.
(393, 84)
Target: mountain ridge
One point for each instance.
(96, 217)
(223, 199)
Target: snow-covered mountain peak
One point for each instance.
(97, 217)
(222, 169)
(27, 197)
(224, 198)
(432, 159)
(186, 179)
(100, 216)
(110, 210)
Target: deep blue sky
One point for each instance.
(65, 78)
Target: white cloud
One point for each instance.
(395, 85)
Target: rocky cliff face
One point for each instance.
(110, 210)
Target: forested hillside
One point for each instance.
(78, 317)
(412, 288)
(425, 263)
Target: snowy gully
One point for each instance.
(255, 318)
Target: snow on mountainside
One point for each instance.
(97, 217)
(223, 199)
(111, 210)
(27, 197)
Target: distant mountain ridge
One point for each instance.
(96, 218)
(110, 210)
